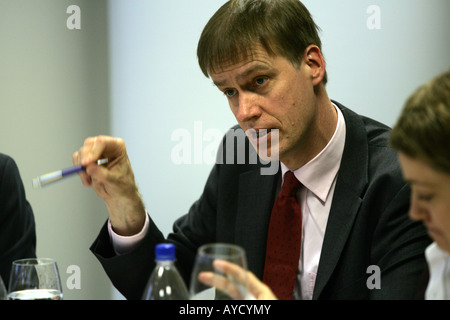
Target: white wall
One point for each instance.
(374, 70)
(54, 93)
(158, 88)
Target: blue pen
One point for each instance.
(48, 178)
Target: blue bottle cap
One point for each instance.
(165, 251)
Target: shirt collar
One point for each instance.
(435, 254)
(319, 173)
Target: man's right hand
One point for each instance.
(114, 182)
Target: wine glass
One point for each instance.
(35, 279)
(221, 284)
(3, 291)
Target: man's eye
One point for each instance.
(230, 92)
(260, 81)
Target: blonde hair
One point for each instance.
(423, 128)
(282, 27)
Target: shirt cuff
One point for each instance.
(126, 244)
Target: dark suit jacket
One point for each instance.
(17, 226)
(368, 224)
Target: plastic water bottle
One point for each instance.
(165, 282)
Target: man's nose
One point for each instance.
(248, 108)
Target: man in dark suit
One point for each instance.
(17, 226)
(265, 56)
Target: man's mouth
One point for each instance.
(262, 132)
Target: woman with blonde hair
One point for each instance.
(421, 137)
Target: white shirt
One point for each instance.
(318, 178)
(439, 265)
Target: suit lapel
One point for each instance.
(255, 205)
(350, 186)
(254, 208)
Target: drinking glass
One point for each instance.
(206, 255)
(35, 279)
(3, 291)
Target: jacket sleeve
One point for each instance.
(130, 272)
(17, 225)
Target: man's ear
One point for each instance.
(314, 59)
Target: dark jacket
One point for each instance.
(17, 226)
(368, 224)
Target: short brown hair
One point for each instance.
(282, 27)
(423, 128)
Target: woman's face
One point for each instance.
(430, 198)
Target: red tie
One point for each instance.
(284, 240)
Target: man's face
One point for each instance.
(430, 198)
(269, 93)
